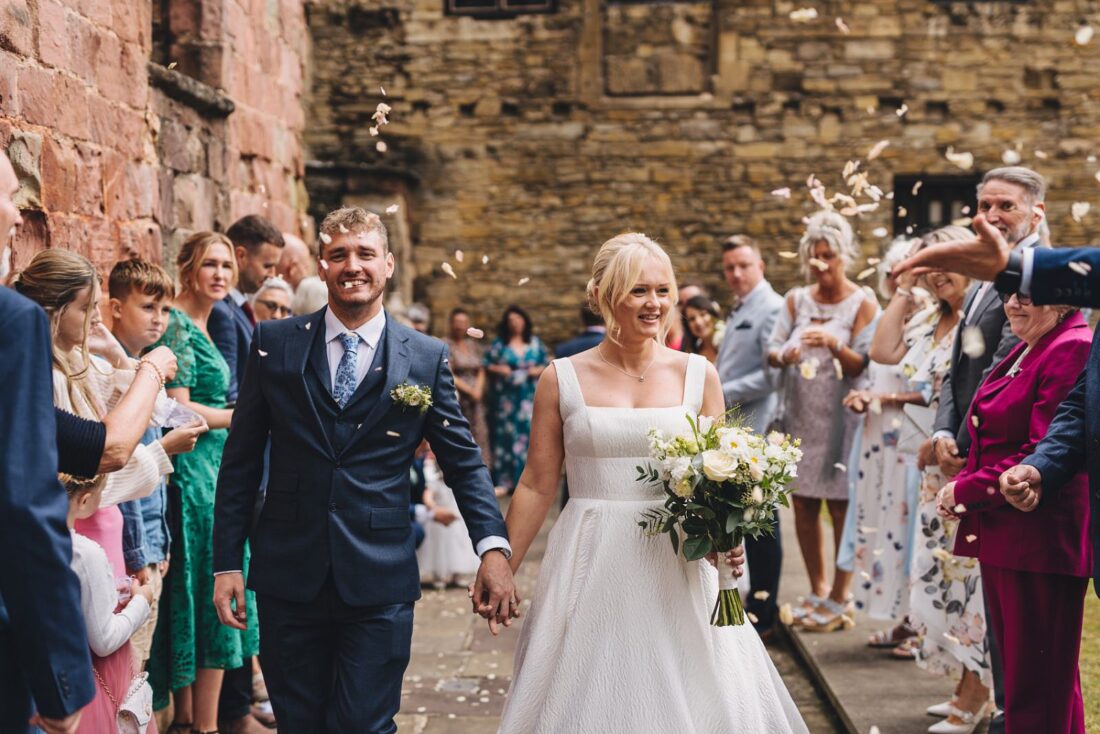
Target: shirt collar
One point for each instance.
(755, 290)
(238, 297)
(370, 332)
(1030, 241)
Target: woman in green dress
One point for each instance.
(514, 362)
(191, 648)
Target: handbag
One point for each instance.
(135, 711)
(913, 432)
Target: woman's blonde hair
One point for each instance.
(615, 271)
(193, 252)
(52, 279)
(834, 229)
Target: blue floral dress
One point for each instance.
(511, 402)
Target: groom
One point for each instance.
(346, 395)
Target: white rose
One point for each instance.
(678, 469)
(719, 466)
(413, 399)
(775, 438)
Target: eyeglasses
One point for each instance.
(1020, 299)
(274, 307)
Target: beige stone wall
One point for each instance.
(115, 159)
(533, 139)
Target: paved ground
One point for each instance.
(459, 673)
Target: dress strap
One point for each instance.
(694, 382)
(570, 398)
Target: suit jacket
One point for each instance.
(338, 495)
(747, 380)
(1013, 414)
(1073, 440)
(580, 343)
(43, 646)
(231, 331)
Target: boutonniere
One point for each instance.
(412, 396)
(719, 334)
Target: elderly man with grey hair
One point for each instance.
(1011, 199)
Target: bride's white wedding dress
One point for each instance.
(618, 638)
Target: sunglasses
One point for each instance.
(1020, 299)
(276, 308)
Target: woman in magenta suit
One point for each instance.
(1036, 565)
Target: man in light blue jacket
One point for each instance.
(749, 385)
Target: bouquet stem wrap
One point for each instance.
(728, 610)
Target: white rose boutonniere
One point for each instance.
(412, 396)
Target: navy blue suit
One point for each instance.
(231, 331)
(44, 660)
(333, 551)
(584, 341)
(1073, 439)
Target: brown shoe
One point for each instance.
(245, 725)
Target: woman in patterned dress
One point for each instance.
(812, 343)
(469, 372)
(515, 362)
(191, 648)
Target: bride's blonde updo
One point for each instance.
(616, 270)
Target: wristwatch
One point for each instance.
(1009, 279)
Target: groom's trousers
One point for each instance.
(331, 667)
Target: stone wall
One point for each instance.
(533, 139)
(134, 123)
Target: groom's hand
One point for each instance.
(494, 591)
(229, 587)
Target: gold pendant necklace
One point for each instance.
(639, 378)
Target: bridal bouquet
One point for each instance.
(723, 482)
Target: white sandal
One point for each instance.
(970, 721)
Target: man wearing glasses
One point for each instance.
(273, 300)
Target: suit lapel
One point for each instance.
(394, 370)
(300, 353)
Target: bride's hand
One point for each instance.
(735, 558)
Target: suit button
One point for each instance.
(332, 507)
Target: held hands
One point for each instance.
(1022, 487)
(982, 256)
(926, 454)
(229, 600)
(493, 594)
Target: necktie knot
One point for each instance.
(350, 341)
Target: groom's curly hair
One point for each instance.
(354, 219)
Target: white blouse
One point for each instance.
(107, 631)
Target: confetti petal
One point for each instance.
(973, 343)
(752, 617)
(324, 265)
(1079, 209)
(782, 193)
(1083, 35)
(874, 260)
(460, 255)
(959, 509)
(1011, 157)
(381, 146)
(1081, 268)
(902, 110)
(840, 467)
(788, 255)
(393, 209)
(446, 268)
(382, 89)
(395, 434)
(1041, 154)
(762, 595)
(916, 187)
(803, 15)
(484, 259)
(261, 352)
(786, 616)
(475, 333)
(446, 423)
(971, 538)
(838, 368)
(308, 324)
(877, 149)
(965, 161)
(327, 239)
(842, 26)
(819, 264)
(864, 274)
(868, 530)
(523, 281)
(875, 406)
(880, 231)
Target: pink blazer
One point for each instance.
(1008, 417)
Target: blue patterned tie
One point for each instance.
(344, 386)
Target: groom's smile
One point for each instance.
(358, 266)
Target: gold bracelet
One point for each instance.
(159, 375)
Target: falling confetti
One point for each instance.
(786, 616)
(484, 259)
(752, 617)
(788, 255)
(838, 369)
(172, 65)
(1081, 268)
(446, 268)
(971, 538)
(842, 26)
(343, 229)
(1011, 157)
(762, 595)
(1079, 209)
(1041, 154)
(962, 222)
(1083, 35)
(880, 231)
(877, 149)
(973, 343)
(959, 508)
(902, 212)
(874, 260)
(446, 423)
(381, 146)
(782, 193)
(819, 264)
(840, 467)
(373, 131)
(308, 324)
(460, 255)
(865, 274)
(382, 89)
(393, 209)
(877, 552)
(868, 530)
(523, 281)
(902, 110)
(474, 333)
(262, 352)
(965, 161)
(916, 187)
(327, 239)
(875, 406)
(974, 420)
(803, 15)
(324, 265)
(395, 434)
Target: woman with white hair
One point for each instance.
(812, 344)
(273, 300)
(310, 297)
(618, 637)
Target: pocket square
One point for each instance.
(743, 325)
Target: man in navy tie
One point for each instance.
(346, 396)
(45, 669)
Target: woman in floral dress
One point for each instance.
(514, 362)
(469, 373)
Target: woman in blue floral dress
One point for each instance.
(514, 362)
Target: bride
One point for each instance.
(618, 638)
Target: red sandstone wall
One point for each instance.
(110, 164)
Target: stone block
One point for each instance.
(53, 39)
(39, 93)
(9, 84)
(868, 50)
(16, 32)
(25, 153)
(85, 39)
(959, 80)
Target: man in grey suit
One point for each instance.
(748, 383)
(1010, 199)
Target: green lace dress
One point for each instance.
(188, 634)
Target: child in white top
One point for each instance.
(111, 618)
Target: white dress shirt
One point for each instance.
(369, 333)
